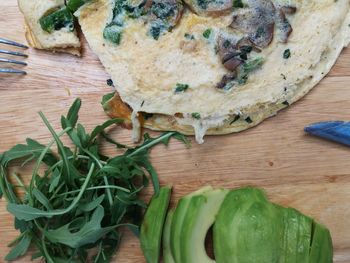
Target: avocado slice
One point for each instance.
(152, 225)
(200, 216)
(248, 228)
(321, 250)
(167, 255)
(178, 217)
(297, 236)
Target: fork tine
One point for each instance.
(12, 71)
(14, 53)
(12, 43)
(6, 60)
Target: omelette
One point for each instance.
(212, 66)
(61, 40)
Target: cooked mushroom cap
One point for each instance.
(257, 21)
(210, 7)
(283, 25)
(228, 51)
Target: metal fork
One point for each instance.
(12, 53)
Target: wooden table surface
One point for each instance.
(296, 170)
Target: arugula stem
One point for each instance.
(75, 201)
(98, 187)
(38, 163)
(16, 239)
(57, 190)
(48, 258)
(19, 181)
(2, 185)
(109, 194)
(108, 190)
(58, 142)
(73, 157)
(152, 143)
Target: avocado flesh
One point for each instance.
(297, 236)
(200, 216)
(167, 255)
(152, 225)
(321, 246)
(233, 234)
(250, 229)
(178, 217)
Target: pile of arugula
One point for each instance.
(73, 211)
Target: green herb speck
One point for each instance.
(196, 115)
(189, 36)
(238, 3)
(181, 87)
(286, 54)
(207, 33)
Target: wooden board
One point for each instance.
(296, 170)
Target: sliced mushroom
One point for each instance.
(168, 11)
(225, 82)
(257, 21)
(245, 43)
(232, 63)
(210, 7)
(288, 9)
(284, 26)
(229, 52)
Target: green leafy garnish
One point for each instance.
(286, 54)
(113, 33)
(189, 36)
(181, 87)
(77, 198)
(74, 5)
(238, 3)
(248, 67)
(62, 18)
(207, 33)
(196, 115)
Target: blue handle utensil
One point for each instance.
(337, 131)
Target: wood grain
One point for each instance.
(295, 169)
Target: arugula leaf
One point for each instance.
(107, 97)
(55, 179)
(20, 249)
(21, 225)
(110, 140)
(31, 151)
(72, 115)
(42, 198)
(100, 128)
(27, 213)
(59, 143)
(107, 247)
(88, 234)
(87, 207)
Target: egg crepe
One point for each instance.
(183, 80)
